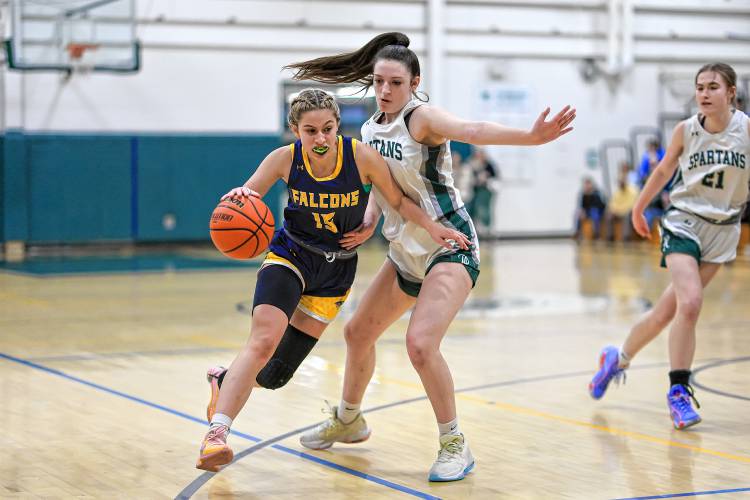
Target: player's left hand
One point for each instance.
(354, 238)
(545, 131)
(449, 238)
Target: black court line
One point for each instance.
(201, 421)
(195, 485)
(714, 365)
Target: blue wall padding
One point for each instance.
(79, 188)
(74, 188)
(2, 187)
(15, 194)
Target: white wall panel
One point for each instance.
(215, 67)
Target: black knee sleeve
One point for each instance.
(294, 347)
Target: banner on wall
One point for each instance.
(514, 106)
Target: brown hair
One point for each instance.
(357, 66)
(726, 72)
(311, 100)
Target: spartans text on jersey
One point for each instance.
(717, 157)
(387, 149)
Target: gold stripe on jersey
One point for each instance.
(339, 162)
(324, 309)
(276, 260)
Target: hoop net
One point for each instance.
(81, 56)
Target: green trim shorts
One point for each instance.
(411, 269)
(682, 232)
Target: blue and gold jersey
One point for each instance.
(321, 210)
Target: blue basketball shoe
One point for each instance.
(678, 400)
(609, 368)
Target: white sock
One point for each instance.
(449, 428)
(347, 412)
(221, 419)
(624, 359)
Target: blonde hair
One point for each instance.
(311, 100)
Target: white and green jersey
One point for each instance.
(425, 175)
(714, 172)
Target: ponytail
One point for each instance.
(357, 66)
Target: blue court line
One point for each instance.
(690, 494)
(320, 461)
(203, 478)
(198, 482)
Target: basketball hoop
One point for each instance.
(80, 56)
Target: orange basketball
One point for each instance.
(241, 228)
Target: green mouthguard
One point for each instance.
(321, 150)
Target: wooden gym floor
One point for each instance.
(102, 383)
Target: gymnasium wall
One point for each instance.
(2, 187)
(77, 188)
(211, 72)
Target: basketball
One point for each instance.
(241, 228)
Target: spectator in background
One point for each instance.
(653, 155)
(651, 158)
(591, 207)
(480, 208)
(462, 177)
(741, 102)
(621, 204)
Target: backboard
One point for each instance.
(73, 35)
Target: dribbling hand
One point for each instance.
(241, 192)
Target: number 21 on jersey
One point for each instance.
(718, 183)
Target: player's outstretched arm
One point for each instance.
(657, 180)
(430, 125)
(275, 166)
(373, 167)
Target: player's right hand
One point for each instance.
(640, 224)
(241, 192)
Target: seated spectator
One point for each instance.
(591, 207)
(462, 177)
(621, 204)
(481, 206)
(744, 231)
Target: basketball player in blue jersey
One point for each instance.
(710, 152)
(415, 141)
(306, 276)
